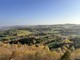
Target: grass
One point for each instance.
(22, 32)
(24, 52)
(18, 32)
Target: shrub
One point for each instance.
(66, 56)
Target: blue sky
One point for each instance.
(39, 12)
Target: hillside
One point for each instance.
(29, 41)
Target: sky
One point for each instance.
(39, 12)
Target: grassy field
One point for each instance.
(22, 32)
(18, 34)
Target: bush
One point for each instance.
(66, 56)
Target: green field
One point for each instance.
(17, 33)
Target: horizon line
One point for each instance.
(39, 24)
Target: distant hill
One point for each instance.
(63, 29)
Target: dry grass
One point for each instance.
(75, 54)
(24, 52)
